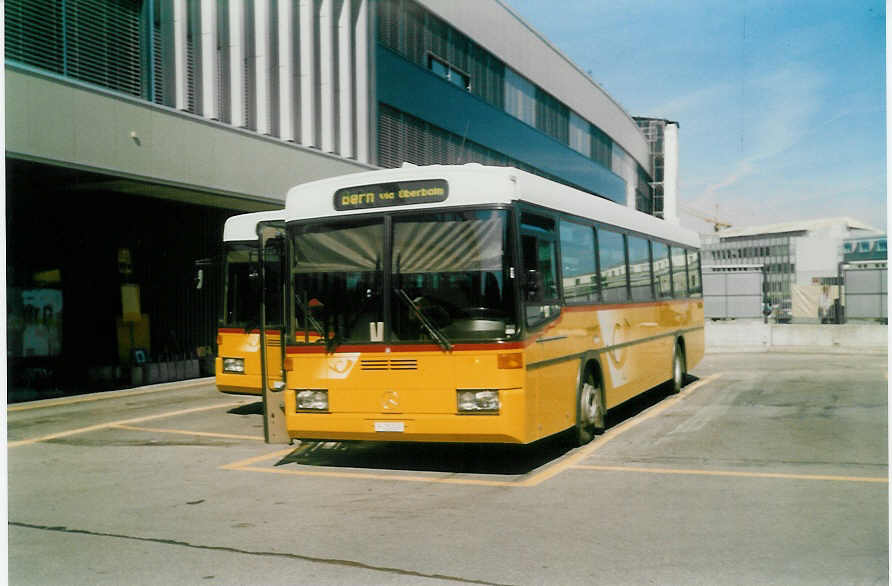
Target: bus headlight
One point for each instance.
(478, 401)
(312, 400)
(234, 365)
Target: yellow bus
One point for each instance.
(478, 304)
(238, 362)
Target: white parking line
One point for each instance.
(100, 426)
(738, 474)
(187, 432)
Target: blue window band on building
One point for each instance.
(416, 91)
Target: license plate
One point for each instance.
(390, 426)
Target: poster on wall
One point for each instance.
(42, 322)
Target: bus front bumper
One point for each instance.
(507, 426)
(237, 384)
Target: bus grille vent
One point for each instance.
(403, 364)
(374, 364)
(384, 364)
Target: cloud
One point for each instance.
(772, 115)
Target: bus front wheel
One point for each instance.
(590, 411)
(679, 370)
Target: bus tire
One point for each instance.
(679, 370)
(590, 411)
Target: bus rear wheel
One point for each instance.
(590, 411)
(679, 371)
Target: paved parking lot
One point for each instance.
(768, 468)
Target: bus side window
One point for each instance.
(695, 286)
(612, 257)
(679, 272)
(639, 269)
(661, 270)
(540, 290)
(578, 263)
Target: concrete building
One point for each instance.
(662, 140)
(865, 278)
(797, 258)
(135, 127)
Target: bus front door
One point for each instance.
(272, 311)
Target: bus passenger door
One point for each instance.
(550, 378)
(272, 330)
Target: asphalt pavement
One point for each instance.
(766, 469)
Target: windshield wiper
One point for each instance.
(434, 331)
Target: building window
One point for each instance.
(405, 138)
(448, 72)
(580, 139)
(520, 97)
(89, 40)
(602, 148)
(644, 201)
(552, 117)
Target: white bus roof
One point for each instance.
(244, 226)
(475, 184)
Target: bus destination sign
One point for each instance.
(391, 194)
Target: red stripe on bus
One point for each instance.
(242, 331)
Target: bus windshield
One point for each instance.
(241, 303)
(448, 276)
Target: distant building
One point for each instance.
(869, 251)
(865, 276)
(662, 139)
(798, 258)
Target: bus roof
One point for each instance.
(244, 226)
(475, 184)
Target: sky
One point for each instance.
(780, 103)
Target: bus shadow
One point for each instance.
(495, 459)
(488, 459)
(248, 409)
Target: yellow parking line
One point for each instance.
(586, 451)
(187, 432)
(108, 395)
(739, 474)
(243, 464)
(100, 426)
(534, 480)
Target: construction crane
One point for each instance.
(717, 224)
